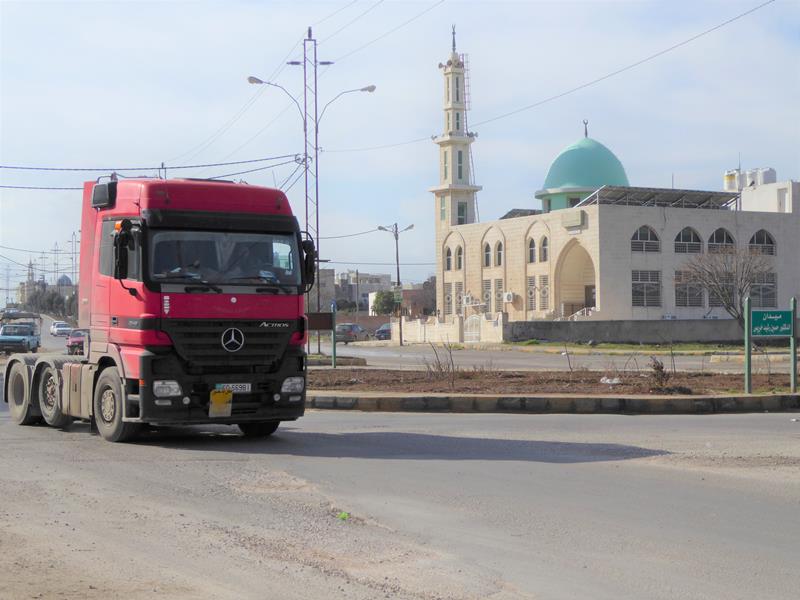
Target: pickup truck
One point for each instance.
(19, 337)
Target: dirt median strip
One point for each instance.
(554, 403)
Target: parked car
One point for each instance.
(57, 324)
(75, 341)
(62, 329)
(384, 332)
(351, 332)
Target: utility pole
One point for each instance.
(358, 295)
(395, 231)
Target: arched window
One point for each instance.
(645, 240)
(459, 258)
(721, 241)
(487, 255)
(498, 254)
(531, 251)
(688, 242)
(448, 260)
(762, 243)
(543, 250)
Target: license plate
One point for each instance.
(236, 388)
(220, 404)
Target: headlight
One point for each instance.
(166, 388)
(293, 385)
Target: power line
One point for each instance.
(346, 25)
(337, 237)
(391, 31)
(334, 13)
(299, 176)
(37, 187)
(380, 264)
(253, 170)
(156, 168)
(579, 87)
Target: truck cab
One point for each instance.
(192, 292)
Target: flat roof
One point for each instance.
(641, 196)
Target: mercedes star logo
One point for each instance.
(232, 339)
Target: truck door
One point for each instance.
(103, 270)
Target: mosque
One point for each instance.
(599, 249)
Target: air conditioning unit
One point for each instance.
(508, 297)
(467, 299)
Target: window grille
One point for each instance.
(544, 292)
(531, 294)
(762, 243)
(646, 288)
(498, 295)
(764, 291)
(688, 293)
(448, 298)
(486, 290)
(688, 242)
(645, 240)
(459, 290)
(721, 241)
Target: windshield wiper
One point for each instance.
(205, 287)
(273, 288)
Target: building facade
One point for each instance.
(598, 249)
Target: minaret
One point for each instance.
(455, 202)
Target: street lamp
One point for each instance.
(257, 81)
(395, 231)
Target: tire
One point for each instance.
(263, 429)
(49, 395)
(23, 411)
(107, 404)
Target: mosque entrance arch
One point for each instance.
(575, 281)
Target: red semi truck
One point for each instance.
(192, 292)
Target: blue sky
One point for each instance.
(137, 83)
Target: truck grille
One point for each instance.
(199, 343)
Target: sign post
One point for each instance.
(748, 383)
(793, 346)
(333, 334)
(770, 323)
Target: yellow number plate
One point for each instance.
(221, 402)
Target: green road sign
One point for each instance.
(772, 323)
(398, 296)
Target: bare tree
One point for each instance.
(728, 274)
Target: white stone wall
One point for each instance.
(781, 197)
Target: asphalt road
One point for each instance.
(437, 506)
(415, 357)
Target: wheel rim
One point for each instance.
(108, 405)
(50, 392)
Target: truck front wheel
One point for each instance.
(108, 400)
(50, 399)
(23, 410)
(258, 429)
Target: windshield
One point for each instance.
(15, 330)
(216, 257)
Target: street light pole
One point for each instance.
(395, 231)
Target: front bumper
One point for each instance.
(13, 347)
(265, 402)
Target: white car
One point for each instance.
(55, 325)
(62, 329)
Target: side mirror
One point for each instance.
(309, 261)
(123, 241)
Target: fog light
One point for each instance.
(277, 397)
(293, 385)
(166, 388)
(163, 402)
(295, 398)
(186, 400)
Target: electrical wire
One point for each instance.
(381, 264)
(578, 87)
(299, 176)
(37, 187)
(337, 237)
(199, 166)
(391, 31)
(334, 13)
(287, 162)
(346, 25)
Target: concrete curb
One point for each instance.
(466, 403)
(341, 361)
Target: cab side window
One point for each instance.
(107, 253)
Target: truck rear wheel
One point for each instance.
(50, 399)
(22, 410)
(263, 429)
(108, 399)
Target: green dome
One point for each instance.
(585, 164)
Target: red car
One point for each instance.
(75, 341)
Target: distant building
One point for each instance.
(327, 291)
(357, 286)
